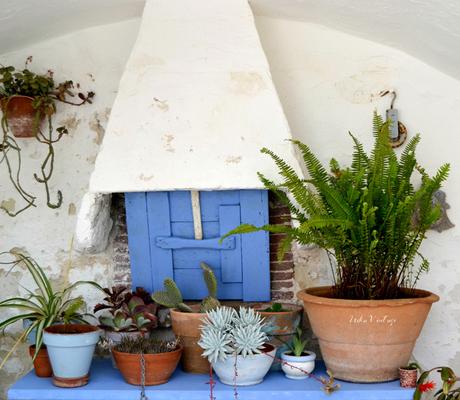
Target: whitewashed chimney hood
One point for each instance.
(195, 104)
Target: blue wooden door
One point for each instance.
(162, 243)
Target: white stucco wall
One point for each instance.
(94, 57)
(328, 83)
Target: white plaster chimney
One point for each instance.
(195, 105)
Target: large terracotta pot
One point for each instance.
(21, 116)
(186, 326)
(158, 367)
(366, 340)
(280, 326)
(42, 365)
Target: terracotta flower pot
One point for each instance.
(281, 326)
(187, 327)
(113, 338)
(42, 365)
(366, 340)
(158, 367)
(408, 377)
(21, 116)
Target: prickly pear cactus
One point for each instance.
(171, 297)
(210, 302)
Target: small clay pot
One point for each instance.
(408, 377)
(158, 367)
(42, 365)
(21, 115)
(186, 326)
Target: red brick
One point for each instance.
(282, 285)
(278, 295)
(280, 219)
(287, 257)
(281, 276)
(281, 266)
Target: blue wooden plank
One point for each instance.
(191, 258)
(192, 285)
(106, 382)
(255, 246)
(138, 240)
(171, 242)
(159, 224)
(181, 206)
(211, 201)
(185, 229)
(229, 218)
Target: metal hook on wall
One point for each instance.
(398, 132)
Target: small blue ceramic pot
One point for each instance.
(70, 349)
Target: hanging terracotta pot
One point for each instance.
(186, 326)
(21, 116)
(158, 367)
(366, 340)
(42, 365)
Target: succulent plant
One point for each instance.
(228, 332)
(146, 345)
(127, 311)
(171, 296)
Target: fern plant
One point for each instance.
(368, 216)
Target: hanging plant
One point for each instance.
(28, 103)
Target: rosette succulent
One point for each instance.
(229, 332)
(127, 311)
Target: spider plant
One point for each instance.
(44, 306)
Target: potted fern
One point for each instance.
(236, 345)
(371, 220)
(187, 319)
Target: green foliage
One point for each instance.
(144, 345)
(228, 332)
(275, 307)
(448, 390)
(127, 311)
(171, 296)
(297, 345)
(42, 307)
(45, 94)
(368, 216)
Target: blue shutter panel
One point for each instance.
(162, 244)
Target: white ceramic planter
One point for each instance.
(251, 369)
(70, 352)
(305, 363)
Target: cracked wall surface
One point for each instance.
(90, 58)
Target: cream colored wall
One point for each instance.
(329, 83)
(95, 58)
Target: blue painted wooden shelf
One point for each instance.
(106, 383)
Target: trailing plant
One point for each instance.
(127, 311)
(45, 93)
(43, 307)
(368, 216)
(448, 391)
(171, 296)
(227, 332)
(144, 345)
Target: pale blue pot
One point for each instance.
(71, 353)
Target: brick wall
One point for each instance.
(281, 272)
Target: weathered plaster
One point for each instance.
(328, 83)
(213, 83)
(87, 57)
